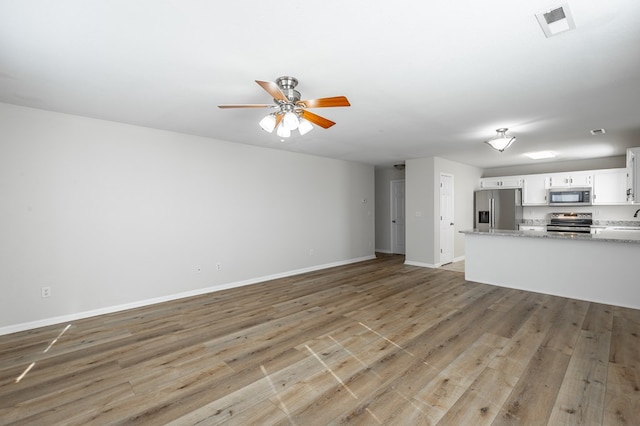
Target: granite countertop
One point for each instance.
(596, 223)
(621, 236)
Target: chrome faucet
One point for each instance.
(636, 213)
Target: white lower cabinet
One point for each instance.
(541, 228)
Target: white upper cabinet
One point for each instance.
(501, 182)
(534, 190)
(571, 180)
(633, 175)
(609, 186)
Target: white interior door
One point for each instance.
(446, 219)
(397, 217)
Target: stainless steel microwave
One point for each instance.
(570, 197)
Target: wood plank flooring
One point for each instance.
(377, 342)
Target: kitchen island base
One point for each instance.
(596, 271)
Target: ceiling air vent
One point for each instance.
(557, 20)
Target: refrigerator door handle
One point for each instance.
(492, 213)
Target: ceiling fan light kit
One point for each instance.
(268, 123)
(283, 132)
(501, 141)
(291, 112)
(290, 120)
(305, 126)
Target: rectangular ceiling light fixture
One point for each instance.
(540, 155)
(557, 20)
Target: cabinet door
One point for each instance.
(610, 186)
(538, 228)
(501, 182)
(581, 180)
(567, 180)
(559, 180)
(490, 183)
(633, 175)
(534, 190)
(511, 182)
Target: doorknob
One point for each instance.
(393, 221)
(451, 224)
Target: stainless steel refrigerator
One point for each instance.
(498, 209)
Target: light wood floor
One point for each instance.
(376, 342)
(454, 266)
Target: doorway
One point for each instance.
(398, 216)
(446, 219)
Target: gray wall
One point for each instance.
(420, 210)
(384, 176)
(559, 166)
(112, 216)
(423, 207)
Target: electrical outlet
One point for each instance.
(218, 266)
(45, 292)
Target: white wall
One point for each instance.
(465, 179)
(600, 213)
(423, 207)
(420, 210)
(597, 271)
(384, 176)
(558, 166)
(111, 215)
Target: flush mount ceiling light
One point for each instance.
(557, 20)
(291, 113)
(541, 155)
(501, 141)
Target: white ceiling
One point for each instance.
(424, 78)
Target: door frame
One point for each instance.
(391, 206)
(452, 239)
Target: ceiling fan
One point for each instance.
(291, 112)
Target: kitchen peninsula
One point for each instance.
(599, 267)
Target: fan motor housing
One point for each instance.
(287, 85)
(287, 82)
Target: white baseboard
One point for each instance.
(421, 264)
(430, 265)
(111, 309)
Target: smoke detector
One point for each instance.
(557, 20)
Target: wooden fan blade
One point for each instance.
(336, 101)
(279, 118)
(246, 106)
(273, 90)
(316, 119)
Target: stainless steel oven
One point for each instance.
(572, 223)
